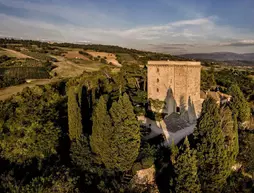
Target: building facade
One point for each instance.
(177, 83)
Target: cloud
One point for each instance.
(91, 24)
(241, 43)
(200, 21)
(196, 31)
(81, 13)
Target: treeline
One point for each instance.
(208, 160)
(86, 54)
(65, 134)
(134, 58)
(225, 78)
(15, 71)
(102, 48)
(141, 56)
(18, 75)
(26, 43)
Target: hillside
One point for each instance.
(222, 56)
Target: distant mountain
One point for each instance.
(220, 56)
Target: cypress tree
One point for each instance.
(115, 139)
(213, 167)
(74, 115)
(101, 132)
(125, 141)
(186, 171)
(230, 132)
(239, 104)
(80, 154)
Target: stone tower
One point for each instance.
(177, 83)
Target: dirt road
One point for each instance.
(64, 69)
(9, 91)
(16, 54)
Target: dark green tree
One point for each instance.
(115, 139)
(30, 127)
(101, 132)
(239, 104)
(230, 131)
(74, 114)
(186, 170)
(213, 164)
(246, 153)
(125, 142)
(81, 154)
(57, 180)
(207, 80)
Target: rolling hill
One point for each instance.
(221, 56)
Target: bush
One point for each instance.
(147, 162)
(103, 61)
(136, 167)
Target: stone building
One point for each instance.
(177, 83)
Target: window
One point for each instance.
(158, 90)
(178, 109)
(158, 80)
(158, 70)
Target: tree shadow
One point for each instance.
(163, 165)
(170, 102)
(164, 170)
(86, 106)
(191, 111)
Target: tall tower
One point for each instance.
(177, 83)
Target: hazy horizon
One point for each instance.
(175, 27)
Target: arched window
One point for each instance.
(158, 90)
(158, 80)
(158, 70)
(178, 109)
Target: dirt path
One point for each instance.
(9, 91)
(64, 69)
(16, 54)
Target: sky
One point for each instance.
(171, 26)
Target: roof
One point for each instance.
(217, 96)
(223, 95)
(203, 95)
(214, 95)
(178, 63)
(175, 122)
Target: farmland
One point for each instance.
(32, 61)
(25, 72)
(109, 57)
(74, 54)
(13, 53)
(124, 58)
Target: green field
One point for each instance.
(126, 58)
(25, 62)
(25, 72)
(89, 64)
(39, 56)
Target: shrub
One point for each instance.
(147, 162)
(136, 167)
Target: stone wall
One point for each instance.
(178, 84)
